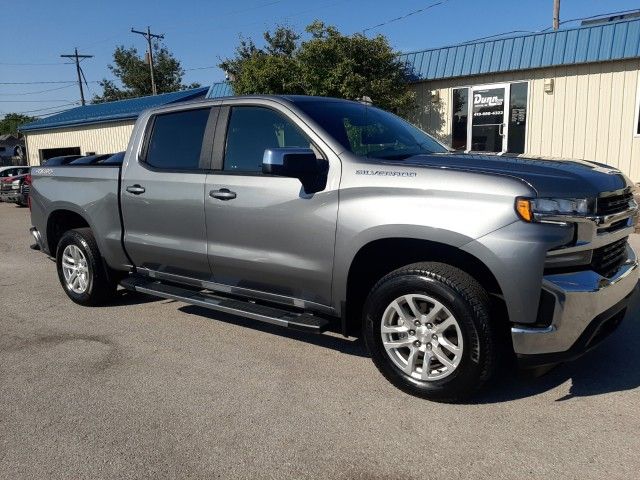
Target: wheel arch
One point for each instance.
(60, 221)
(394, 252)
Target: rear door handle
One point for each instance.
(135, 189)
(223, 194)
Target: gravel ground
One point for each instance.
(148, 388)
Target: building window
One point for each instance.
(460, 116)
(517, 117)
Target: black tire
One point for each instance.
(101, 287)
(467, 301)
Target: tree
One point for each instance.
(327, 63)
(11, 122)
(132, 72)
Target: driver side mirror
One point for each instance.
(300, 163)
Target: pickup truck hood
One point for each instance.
(550, 178)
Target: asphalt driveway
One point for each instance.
(148, 388)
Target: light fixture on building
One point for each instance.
(548, 85)
(435, 95)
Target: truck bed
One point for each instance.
(89, 191)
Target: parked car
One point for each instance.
(16, 189)
(90, 159)
(9, 174)
(63, 160)
(12, 171)
(306, 212)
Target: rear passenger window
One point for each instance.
(251, 130)
(176, 140)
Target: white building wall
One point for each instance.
(99, 138)
(590, 114)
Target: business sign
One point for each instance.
(488, 106)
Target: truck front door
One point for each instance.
(265, 233)
(163, 195)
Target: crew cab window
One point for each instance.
(251, 130)
(176, 140)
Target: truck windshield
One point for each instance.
(370, 132)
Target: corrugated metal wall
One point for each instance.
(99, 138)
(589, 115)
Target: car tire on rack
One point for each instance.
(428, 330)
(81, 271)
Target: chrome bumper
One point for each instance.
(581, 298)
(36, 236)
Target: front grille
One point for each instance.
(613, 203)
(607, 259)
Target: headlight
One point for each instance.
(15, 185)
(527, 208)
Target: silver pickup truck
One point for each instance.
(310, 212)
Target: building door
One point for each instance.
(488, 128)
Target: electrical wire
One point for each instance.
(44, 83)
(28, 64)
(402, 17)
(37, 92)
(48, 108)
(36, 101)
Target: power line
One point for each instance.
(36, 83)
(28, 64)
(148, 35)
(36, 92)
(402, 17)
(48, 108)
(76, 56)
(199, 68)
(36, 101)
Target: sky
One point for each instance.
(201, 33)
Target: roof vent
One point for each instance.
(614, 18)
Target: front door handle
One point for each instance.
(136, 189)
(223, 194)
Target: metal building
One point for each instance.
(571, 94)
(97, 128)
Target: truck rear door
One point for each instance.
(163, 195)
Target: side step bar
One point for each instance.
(294, 320)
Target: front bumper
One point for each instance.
(587, 307)
(13, 197)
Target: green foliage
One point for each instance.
(132, 72)
(327, 63)
(11, 122)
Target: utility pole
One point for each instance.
(77, 58)
(556, 14)
(148, 35)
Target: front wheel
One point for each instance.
(428, 331)
(81, 272)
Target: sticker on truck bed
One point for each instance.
(43, 172)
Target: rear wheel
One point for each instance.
(81, 272)
(428, 330)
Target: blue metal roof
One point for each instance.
(112, 111)
(587, 44)
(220, 89)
